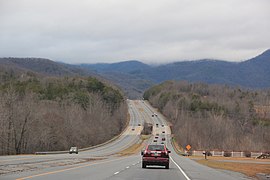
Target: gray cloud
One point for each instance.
(148, 30)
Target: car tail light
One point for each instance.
(147, 153)
(165, 154)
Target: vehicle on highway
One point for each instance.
(163, 131)
(163, 139)
(155, 140)
(156, 137)
(155, 155)
(132, 129)
(73, 150)
(139, 124)
(162, 125)
(153, 115)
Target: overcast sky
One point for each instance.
(152, 31)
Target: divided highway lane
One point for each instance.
(128, 138)
(115, 167)
(12, 167)
(189, 168)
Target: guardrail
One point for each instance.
(51, 152)
(87, 148)
(82, 149)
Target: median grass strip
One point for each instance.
(135, 148)
(249, 169)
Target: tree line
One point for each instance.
(212, 117)
(49, 113)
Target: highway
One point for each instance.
(105, 162)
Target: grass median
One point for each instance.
(135, 148)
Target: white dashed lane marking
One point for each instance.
(125, 168)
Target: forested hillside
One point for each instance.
(214, 116)
(43, 67)
(252, 73)
(55, 113)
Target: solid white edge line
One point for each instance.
(116, 172)
(180, 169)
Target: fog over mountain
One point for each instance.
(252, 73)
(134, 77)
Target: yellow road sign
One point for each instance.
(188, 147)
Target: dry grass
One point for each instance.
(176, 145)
(229, 158)
(135, 148)
(145, 137)
(249, 169)
(141, 109)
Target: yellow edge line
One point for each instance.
(77, 167)
(68, 169)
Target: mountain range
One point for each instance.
(134, 77)
(42, 66)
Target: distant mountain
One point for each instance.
(40, 67)
(256, 71)
(43, 66)
(211, 71)
(135, 77)
(129, 75)
(253, 73)
(131, 67)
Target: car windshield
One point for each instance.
(156, 147)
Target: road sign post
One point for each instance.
(188, 147)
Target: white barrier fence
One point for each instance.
(225, 153)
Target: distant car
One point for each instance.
(73, 150)
(139, 124)
(157, 124)
(155, 140)
(162, 125)
(153, 115)
(163, 131)
(155, 155)
(157, 134)
(156, 137)
(162, 143)
(132, 129)
(163, 139)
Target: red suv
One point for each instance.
(155, 155)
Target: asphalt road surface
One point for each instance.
(105, 162)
